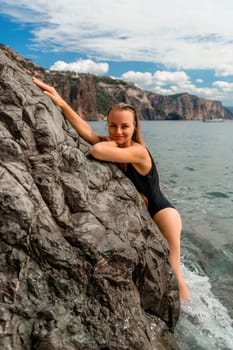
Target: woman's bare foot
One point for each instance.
(184, 291)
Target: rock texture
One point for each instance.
(82, 265)
(91, 96)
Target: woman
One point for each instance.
(125, 146)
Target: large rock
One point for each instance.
(82, 265)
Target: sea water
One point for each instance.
(195, 164)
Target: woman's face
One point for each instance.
(121, 126)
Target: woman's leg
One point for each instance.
(169, 223)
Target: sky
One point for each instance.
(165, 46)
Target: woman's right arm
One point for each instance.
(80, 125)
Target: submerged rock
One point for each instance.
(82, 265)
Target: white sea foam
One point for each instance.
(204, 321)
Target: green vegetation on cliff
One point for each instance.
(103, 100)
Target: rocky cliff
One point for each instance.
(82, 265)
(91, 96)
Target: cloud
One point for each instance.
(180, 35)
(158, 79)
(224, 70)
(81, 66)
(165, 78)
(169, 83)
(139, 78)
(224, 86)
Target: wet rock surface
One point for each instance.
(82, 265)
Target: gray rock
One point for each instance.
(82, 265)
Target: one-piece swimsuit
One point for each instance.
(149, 186)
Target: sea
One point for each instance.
(195, 164)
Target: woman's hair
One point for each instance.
(137, 135)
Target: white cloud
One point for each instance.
(181, 34)
(139, 78)
(224, 86)
(158, 79)
(224, 70)
(81, 66)
(168, 83)
(164, 78)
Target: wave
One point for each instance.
(204, 322)
(189, 168)
(217, 194)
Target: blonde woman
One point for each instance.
(124, 145)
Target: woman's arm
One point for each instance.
(136, 154)
(82, 127)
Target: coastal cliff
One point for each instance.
(91, 96)
(82, 265)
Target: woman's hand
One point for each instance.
(50, 92)
(80, 125)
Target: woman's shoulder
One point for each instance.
(145, 162)
(142, 148)
(136, 144)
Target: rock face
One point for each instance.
(82, 265)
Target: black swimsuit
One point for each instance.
(148, 185)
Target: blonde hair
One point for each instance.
(137, 135)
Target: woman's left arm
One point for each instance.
(109, 151)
